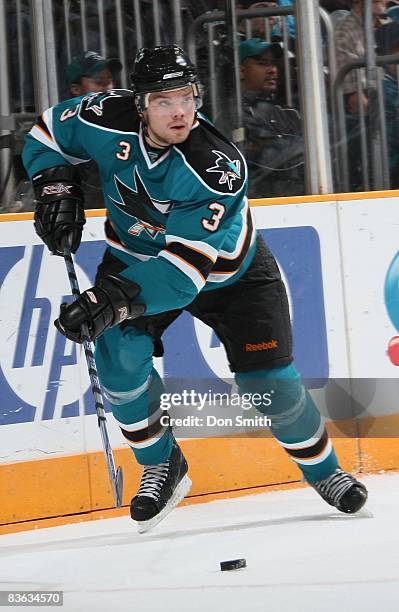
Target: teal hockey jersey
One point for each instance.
(178, 218)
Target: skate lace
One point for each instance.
(153, 479)
(335, 486)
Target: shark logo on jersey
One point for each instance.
(95, 101)
(137, 203)
(229, 169)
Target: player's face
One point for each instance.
(170, 116)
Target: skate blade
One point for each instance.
(181, 491)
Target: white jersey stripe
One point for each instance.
(120, 247)
(39, 134)
(197, 245)
(220, 277)
(47, 117)
(184, 267)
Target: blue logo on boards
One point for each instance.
(32, 349)
(32, 359)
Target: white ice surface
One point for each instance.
(302, 556)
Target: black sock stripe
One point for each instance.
(310, 451)
(141, 435)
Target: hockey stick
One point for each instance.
(115, 475)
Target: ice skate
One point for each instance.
(162, 487)
(342, 491)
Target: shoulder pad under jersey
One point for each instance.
(111, 110)
(214, 159)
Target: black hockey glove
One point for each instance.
(59, 211)
(106, 304)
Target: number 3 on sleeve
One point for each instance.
(213, 223)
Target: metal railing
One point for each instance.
(38, 38)
(368, 124)
(59, 30)
(215, 20)
(313, 105)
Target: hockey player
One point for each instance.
(180, 237)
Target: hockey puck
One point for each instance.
(234, 564)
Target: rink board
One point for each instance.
(338, 257)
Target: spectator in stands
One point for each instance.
(258, 24)
(349, 42)
(18, 90)
(393, 11)
(387, 40)
(87, 73)
(291, 19)
(273, 135)
(350, 46)
(335, 5)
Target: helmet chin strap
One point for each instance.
(146, 132)
(148, 137)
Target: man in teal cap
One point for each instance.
(259, 62)
(273, 133)
(90, 72)
(87, 73)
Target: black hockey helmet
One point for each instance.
(162, 69)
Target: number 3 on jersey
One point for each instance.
(124, 154)
(213, 223)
